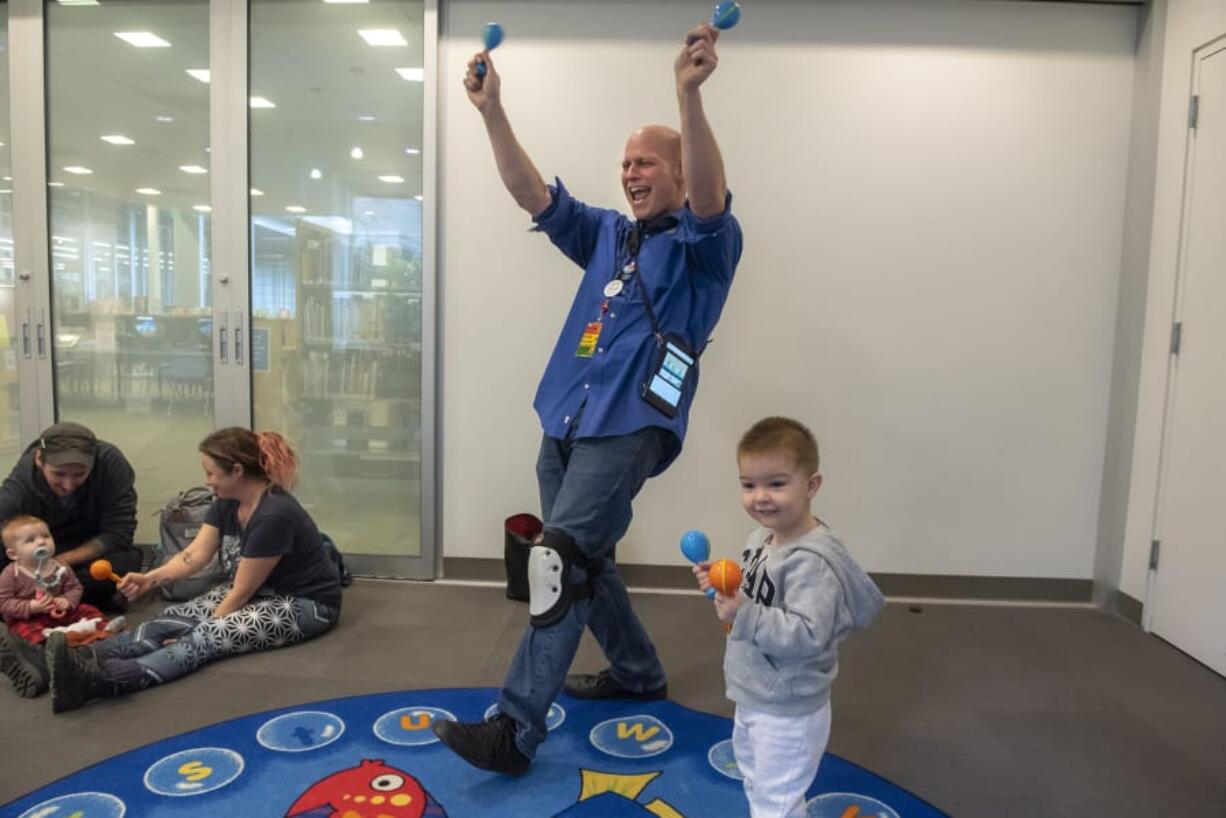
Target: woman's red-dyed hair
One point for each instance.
(265, 454)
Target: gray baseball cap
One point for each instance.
(68, 444)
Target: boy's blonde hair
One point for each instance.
(14, 522)
(776, 434)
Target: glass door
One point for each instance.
(11, 439)
(221, 215)
(129, 219)
(337, 284)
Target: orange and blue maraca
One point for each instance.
(697, 548)
(491, 36)
(726, 15)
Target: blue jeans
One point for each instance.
(586, 489)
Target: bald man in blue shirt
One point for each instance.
(615, 397)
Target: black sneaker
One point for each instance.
(487, 745)
(23, 663)
(602, 686)
(75, 676)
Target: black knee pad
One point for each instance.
(550, 590)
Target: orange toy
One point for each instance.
(101, 569)
(725, 577)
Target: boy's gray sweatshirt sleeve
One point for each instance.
(805, 623)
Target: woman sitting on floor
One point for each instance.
(283, 587)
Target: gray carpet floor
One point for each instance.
(986, 711)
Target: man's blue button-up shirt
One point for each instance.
(687, 269)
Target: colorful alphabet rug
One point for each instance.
(377, 757)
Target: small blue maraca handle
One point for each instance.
(697, 548)
(491, 36)
(727, 14)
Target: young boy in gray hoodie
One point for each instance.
(801, 594)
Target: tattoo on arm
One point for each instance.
(187, 557)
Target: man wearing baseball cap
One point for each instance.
(84, 488)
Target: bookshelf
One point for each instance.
(358, 380)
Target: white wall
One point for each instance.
(1189, 24)
(932, 195)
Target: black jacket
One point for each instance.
(104, 506)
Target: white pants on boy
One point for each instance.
(778, 756)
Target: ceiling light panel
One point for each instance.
(117, 139)
(261, 102)
(200, 74)
(382, 36)
(142, 39)
(412, 74)
(193, 169)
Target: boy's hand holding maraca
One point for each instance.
(727, 606)
(725, 577)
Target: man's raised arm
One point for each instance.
(520, 176)
(701, 162)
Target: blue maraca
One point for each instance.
(491, 36)
(697, 548)
(726, 15)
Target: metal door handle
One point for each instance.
(25, 338)
(41, 331)
(238, 338)
(221, 341)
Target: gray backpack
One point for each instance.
(181, 518)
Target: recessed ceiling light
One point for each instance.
(117, 139)
(202, 208)
(382, 36)
(142, 39)
(261, 102)
(255, 191)
(356, 153)
(8, 178)
(316, 173)
(201, 74)
(418, 197)
(296, 209)
(6, 190)
(77, 2)
(366, 118)
(412, 74)
(368, 212)
(343, 2)
(163, 118)
(393, 180)
(194, 169)
(55, 184)
(148, 191)
(77, 169)
(412, 151)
